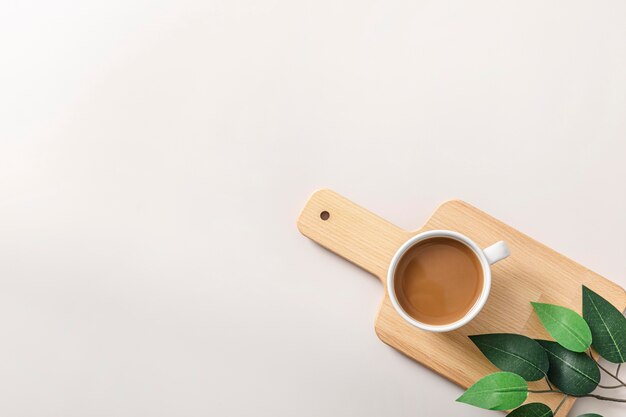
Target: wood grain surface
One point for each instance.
(533, 272)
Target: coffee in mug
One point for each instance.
(439, 280)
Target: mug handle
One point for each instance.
(496, 252)
(351, 232)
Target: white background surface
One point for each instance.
(154, 157)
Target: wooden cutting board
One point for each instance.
(533, 272)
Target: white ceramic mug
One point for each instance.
(486, 257)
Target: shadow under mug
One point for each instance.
(486, 258)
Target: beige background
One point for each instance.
(154, 157)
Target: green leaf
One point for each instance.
(514, 353)
(498, 391)
(590, 415)
(565, 325)
(574, 373)
(608, 326)
(531, 410)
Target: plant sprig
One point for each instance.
(567, 364)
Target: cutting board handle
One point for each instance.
(351, 232)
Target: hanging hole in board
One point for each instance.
(324, 215)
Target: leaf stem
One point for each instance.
(610, 387)
(558, 407)
(619, 366)
(598, 397)
(606, 370)
(602, 398)
(548, 382)
(544, 391)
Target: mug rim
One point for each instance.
(478, 304)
